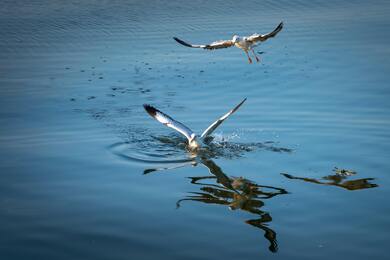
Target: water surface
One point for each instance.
(299, 172)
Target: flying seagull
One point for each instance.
(194, 142)
(244, 43)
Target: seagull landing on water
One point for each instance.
(244, 43)
(194, 142)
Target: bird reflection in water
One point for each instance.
(237, 193)
(339, 178)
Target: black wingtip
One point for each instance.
(239, 105)
(146, 171)
(275, 31)
(280, 26)
(151, 110)
(182, 42)
(242, 102)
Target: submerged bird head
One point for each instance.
(235, 38)
(193, 144)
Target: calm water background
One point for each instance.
(75, 141)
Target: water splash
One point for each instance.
(173, 149)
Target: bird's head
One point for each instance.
(235, 38)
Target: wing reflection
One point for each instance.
(237, 193)
(339, 178)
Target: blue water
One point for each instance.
(300, 171)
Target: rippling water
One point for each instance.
(299, 172)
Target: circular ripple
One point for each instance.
(157, 155)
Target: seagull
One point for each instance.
(244, 43)
(194, 142)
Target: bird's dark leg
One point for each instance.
(257, 59)
(249, 58)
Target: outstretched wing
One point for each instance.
(211, 46)
(214, 125)
(168, 121)
(262, 37)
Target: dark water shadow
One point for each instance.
(340, 178)
(236, 193)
